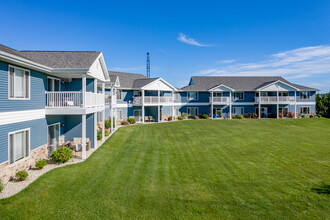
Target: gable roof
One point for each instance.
(127, 79)
(238, 83)
(139, 83)
(63, 59)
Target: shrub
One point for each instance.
(219, 113)
(233, 117)
(311, 116)
(99, 134)
(1, 185)
(205, 116)
(184, 115)
(303, 116)
(107, 124)
(131, 120)
(40, 164)
(240, 117)
(255, 115)
(106, 132)
(319, 116)
(124, 123)
(196, 117)
(169, 118)
(280, 115)
(63, 154)
(180, 118)
(21, 176)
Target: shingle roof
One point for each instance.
(57, 59)
(139, 83)
(127, 79)
(243, 83)
(113, 78)
(63, 59)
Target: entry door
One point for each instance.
(138, 115)
(264, 112)
(284, 111)
(53, 138)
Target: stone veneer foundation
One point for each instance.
(7, 171)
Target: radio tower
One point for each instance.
(148, 65)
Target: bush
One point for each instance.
(233, 117)
(254, 115)
(196, 117)
(184, 115)
(205, 116)
(311, 116)
(319, 116)
(124, 123)
(303, 116)
(21, 176)
(62, 155)
(219, 113)
(131, 120)
(1, 185)
(180, 118)
(240, 117)
(169, 118)
(107, 124)
(280, 115)
(99, 134)
(40, 164)
(106, 132)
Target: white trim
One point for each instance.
(234, 112)
(197, 95)
(309, 95)
(121, 114)
(221, 85)
(24, 158)
(159, 79)
(237, 92)
(278, 81)
(21, 116)
(59, 133)
(53, 82)
(9, 88)
(309, 109)
(190, 110)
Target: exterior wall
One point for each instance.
(202, 97)
(201, 109)
(248, 97)
(37, 92)
(312, 97)
(126, 97)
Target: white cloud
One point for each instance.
(226, 61)
(298, 63)
(183, 38)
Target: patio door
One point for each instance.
(284, 111)
(138, 115)
(53, 138)
(264, 112)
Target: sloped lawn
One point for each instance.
(248, 169)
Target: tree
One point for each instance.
(323, 104)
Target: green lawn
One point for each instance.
(244, 169)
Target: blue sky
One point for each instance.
(184, 38)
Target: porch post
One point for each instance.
(230, 104)
(277, 106)
(111, 109)
(95, 130)
(115, 108)
(83, 86)
(143, 107)
(159, 119)
(212, 104)
(295, 104)
(172, 106)
(259, 109)
(103, 115)
(83, 136)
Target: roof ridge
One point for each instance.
(58, 51)
(240, 76)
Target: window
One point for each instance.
(283, 94)
(118, 94)
(304, 95)
(18, 83)
(217, 94)
(192, 111)
(239, 95)
(176, 111)
(176, 96)
(192, 95)
(137, 93)
(238, 110)
(19, 145)
(304, 110)
(119, 115)
(53, 84)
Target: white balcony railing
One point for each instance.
(153, 100)
(220, 99)
(73, 100)
(270, 99)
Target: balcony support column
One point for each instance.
(295, 104)
(143, 113)
(83, 137)
(172, 106)
(159, 119)
(83, 90)
(111, 109)
(115, 109)
(103, 115)
(277, 105)
(259, 109)
(95, 130)
(230, 104)
(211, 104)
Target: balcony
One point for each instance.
(220, 100)
(275, 99)
(153, 100)
(72, 102)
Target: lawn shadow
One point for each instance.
(323, 189)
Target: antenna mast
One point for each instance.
(148, 65)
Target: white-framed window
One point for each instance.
(217, 94)
(18, 83)
(192, 95)
(53, 84)
(119, 115)
(176, 96)
(238, 95)
(19, 145)
(119, 95)
(304, 110)
(176, 111)
(137, 93)
(304, 95)
(192, 111)
(238, 110)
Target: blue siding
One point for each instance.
(202, 97)
(52, 119)
(38, 135)
(312, 97)
(37, 92)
